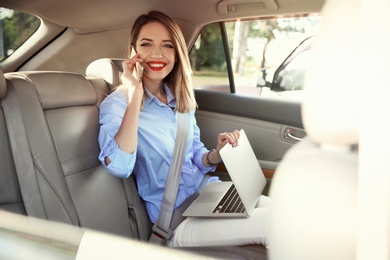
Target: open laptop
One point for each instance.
(247, 177)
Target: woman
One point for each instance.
(138, 131)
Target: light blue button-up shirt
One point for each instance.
(156, 139)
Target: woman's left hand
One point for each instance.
(227, 137)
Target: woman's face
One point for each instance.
(155, 46)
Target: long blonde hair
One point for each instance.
(180, 78)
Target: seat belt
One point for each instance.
(177, 217)
(21, 152)
(161, 230)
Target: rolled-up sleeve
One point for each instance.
(111, 115)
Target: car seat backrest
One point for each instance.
(10, 197)
(315, 188)
(61, 115)
(330, 108)
(108, 69)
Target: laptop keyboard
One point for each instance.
(230, 203)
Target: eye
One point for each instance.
(170, 46)
(145, 44)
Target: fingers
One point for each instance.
(129, 72)
(229, 137)
(130, 64)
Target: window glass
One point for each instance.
(291, 76)
(208, 60)
(258, 47)
(15, 29)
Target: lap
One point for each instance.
(195, 231)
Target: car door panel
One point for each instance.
(264, 136)
(271, 109)
(264, 121)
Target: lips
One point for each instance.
(156, 65)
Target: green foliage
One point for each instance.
(209, 53)
(17, 28)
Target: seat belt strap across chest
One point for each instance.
(161, 229)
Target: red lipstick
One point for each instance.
(156, 65)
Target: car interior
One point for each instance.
(330, 196)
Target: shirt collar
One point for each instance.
(170, 97)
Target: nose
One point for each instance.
(156, 53)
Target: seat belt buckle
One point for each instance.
(159, 236)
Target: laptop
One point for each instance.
(247, 178)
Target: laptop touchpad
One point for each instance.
(209, 197)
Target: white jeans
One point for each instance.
(195, 231)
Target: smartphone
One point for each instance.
(139, 69)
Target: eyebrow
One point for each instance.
(147, 39)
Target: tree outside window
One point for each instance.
(15, 28)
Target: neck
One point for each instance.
(156, 89)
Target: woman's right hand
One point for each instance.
(127, 137)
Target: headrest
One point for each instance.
(108, 69)
(330, 109)
(59, 89)
(3, 84)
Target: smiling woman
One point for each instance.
(140, 140)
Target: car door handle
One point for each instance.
(294, 135)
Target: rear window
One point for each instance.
(15, 28)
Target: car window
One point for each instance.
(208, 60)
(15, 28)
(256, 48)
(292, 75)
